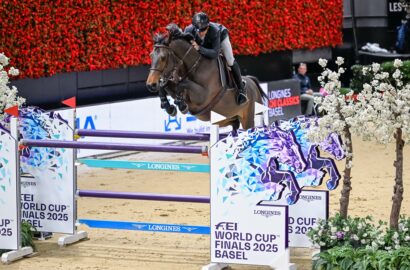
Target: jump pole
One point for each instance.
(141, 135)
(116, 146)
(142, 196)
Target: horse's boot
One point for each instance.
(241, 97)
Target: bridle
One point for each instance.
(173, 74)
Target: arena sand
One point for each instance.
(373, 177)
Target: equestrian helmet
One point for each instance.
(201, 21)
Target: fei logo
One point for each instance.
(227, 226)
(86, 123)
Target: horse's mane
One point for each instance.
(174, 33)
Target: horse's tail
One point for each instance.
(261, 92)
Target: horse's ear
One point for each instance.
(187, 36)
(173, 30)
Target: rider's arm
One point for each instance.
(216, 47)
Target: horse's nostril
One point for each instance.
(152, 87)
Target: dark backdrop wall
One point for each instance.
(373, 25)
(94, 87)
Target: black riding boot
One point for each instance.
(241, 97)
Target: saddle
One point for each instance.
(225, 74)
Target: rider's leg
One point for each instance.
(228, 53)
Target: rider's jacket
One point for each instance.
(211, 44)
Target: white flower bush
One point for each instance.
(380, 112)
(335, 106)
(8, 95)
(360, 233)
(338, 109)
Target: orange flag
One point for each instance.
(70, 102)
(13, 111)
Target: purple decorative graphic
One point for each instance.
(36, 124)
(269, 160)
(251, 161)
(316, 166)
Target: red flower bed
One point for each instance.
(46, 37)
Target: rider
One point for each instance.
(209, 39)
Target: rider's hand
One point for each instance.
(196, 46)
(309, 92)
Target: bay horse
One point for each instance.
(178, 70)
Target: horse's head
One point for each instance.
(288, 149)
(164, 56)
(160, 63)
(333, 145)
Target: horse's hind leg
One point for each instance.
(247, 117)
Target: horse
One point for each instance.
(316, 166)
(178, 70)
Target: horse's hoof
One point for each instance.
(171, 110)
(331, 185)
(184, 109)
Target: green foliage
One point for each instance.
(27, 232)
(360, 233)
(359, 79)
(349, 258)
(337, 231)
(26, 236)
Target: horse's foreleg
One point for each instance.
(331, 168)
(170, 109)
(292, 185)
(178, 93)
(327, 164)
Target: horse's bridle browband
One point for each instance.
(173, 77)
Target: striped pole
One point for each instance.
(116, 146)
(145, 226)
(143, 135)
(142, 196)
(146, 165)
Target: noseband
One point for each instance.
(173, 76)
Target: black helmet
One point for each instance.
(201, 21)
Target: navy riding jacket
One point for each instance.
(304, 82)
(211, 44)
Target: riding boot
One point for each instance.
(241, 97)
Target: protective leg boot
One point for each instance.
(241, 97)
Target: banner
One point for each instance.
(47, 196)
(9, 198)
(284, 100)
(243, 230)
(395, 13)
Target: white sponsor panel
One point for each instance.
(303, 215)
(243, 231)
(9, 227)
(47, 205)
(249, 235)
(47, 196)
